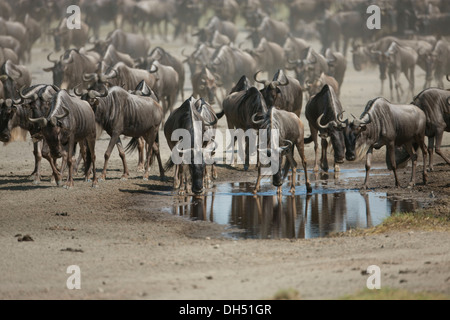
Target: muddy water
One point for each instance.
(267, 215)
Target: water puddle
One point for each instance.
(270, 216)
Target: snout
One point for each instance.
(339, 160)
(350, 157)
(198, 191)
(5, 137)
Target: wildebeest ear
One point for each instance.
(363, 128)
(48, 69)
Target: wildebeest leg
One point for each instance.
(112, 142)
(37, 151)
(301, 152)
(391, 86)
(69, 153)
(323, 158)
(423, 147)
(368, 166)
(412, 82)
(430, 152)
(439, 137)
(410, 149)
(390, 148)
(247, 153)
(158, 157)
(82, 156)
(141, 146)
(293, 164)
(126, 173)
(398, 86)
(316, 149)
(176, 177)
(90, 163)
(150, 139)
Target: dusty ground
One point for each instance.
(127, 248)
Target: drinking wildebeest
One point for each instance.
(187, 116)
(290, 135)
(385, 124)
(323, 112)
(239, 107)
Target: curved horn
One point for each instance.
(153, 69)
(33, 96)
(79, 94)
(183, 54)
(51, 60)
(41, 122)
(259, 121)
(448, 77)
(88, 77)
(321, 126)
(65, 114)
(264, 82)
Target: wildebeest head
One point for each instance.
(57, 70)
(7, 111)
(207, 85)
(52, 126)
(271, 90)
(91, 96)
(352, 132)
(9, 74)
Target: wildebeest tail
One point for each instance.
(401, 157)
(132, 145)
(169, 165)
(220, 114)
(308, 140)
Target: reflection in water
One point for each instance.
(285, 216)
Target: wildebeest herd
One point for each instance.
(251, 58)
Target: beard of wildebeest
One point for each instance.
(337, 141)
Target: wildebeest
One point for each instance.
(121, 113)
(14, 77)
(167, 59)
(273, 30)
(8, 54)
(290, 136)
(204, 85)
(385, 124)
(65, 37)
(226, 28)
(401, 60)
(197, 118)
(166, 88)
(230, 64)
(310, 66)
(239, 107)
(154, 12)
(68, 72)
(435, 103)
(129, 78)
(16, 114)
(133, 44)
(13, 44)
(293, 47)
(18, 31)
(323, 112)
(337, 66)
(313, 86)
(440, 60)
(269, 56)
(70, 121)
(283, 92)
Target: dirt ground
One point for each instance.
(127, 248)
